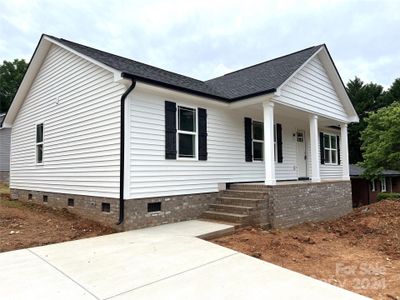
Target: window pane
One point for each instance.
(326, 141)
(39, 133)
(258, 151)
(333, 142)
(327, 156)
(186, 145)
(334, 156)
(39, 153)
(187, 119)
(258, 131)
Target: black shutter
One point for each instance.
(248, 149)
(202, 116)
(170, 130)
(338, 149)
(321, 147)
(279, 142)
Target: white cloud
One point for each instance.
(207, 38)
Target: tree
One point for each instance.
(381, 141)
(365, 98)
(11, 74)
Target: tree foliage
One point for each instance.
(11, 74)
(381, 141)
(367, 98)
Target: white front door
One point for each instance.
(301, 154)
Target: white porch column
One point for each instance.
(269, 160)
(344, 151)
(315, 160)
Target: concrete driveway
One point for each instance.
(164, 262)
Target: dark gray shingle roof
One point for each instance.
(261, 78)
(356, 171)
(2, 116)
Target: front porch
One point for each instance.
(293, 144)
(284, 204)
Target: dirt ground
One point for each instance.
(359, 252)
(25, 225)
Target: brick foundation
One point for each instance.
(293, 203)
(298, 203)
(173, 208)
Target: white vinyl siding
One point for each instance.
(79, 103)
(151, 175)
(5, 138)
(312, 90)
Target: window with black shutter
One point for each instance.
(185, 132)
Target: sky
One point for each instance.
(205, 39)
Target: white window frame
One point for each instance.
(330, 149)
(39, 143)
(195, 133)
(262, 141)
(383, 184)
(253, 140)
(373, 186)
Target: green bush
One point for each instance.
(392, 196)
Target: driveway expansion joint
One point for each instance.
(173, 275)
(64, 274)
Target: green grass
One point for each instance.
(4, 189)
(10, 203)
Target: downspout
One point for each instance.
(122, 151)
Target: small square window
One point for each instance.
(154, 207)
(105, 207)
(45, 198)
(71, 202)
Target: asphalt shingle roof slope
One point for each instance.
(263, 77)
(2, 116)
(358, 171)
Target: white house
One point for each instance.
(119, 140)
(5, 137)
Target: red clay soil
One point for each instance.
(359, 252)
(25, 225)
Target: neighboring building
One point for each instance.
(365, 191)
(5, 137)
(282, 123)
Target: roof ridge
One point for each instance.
(267, 61)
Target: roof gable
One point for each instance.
(261, 79)
(266, 76)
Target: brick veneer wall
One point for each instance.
(297, 203)
(173, 208)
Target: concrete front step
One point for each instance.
(237, 201)
(226, 217)
(247, 194)
(228, 208)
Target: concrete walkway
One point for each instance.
(164, 262)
